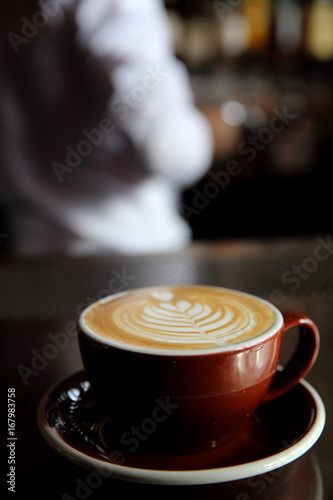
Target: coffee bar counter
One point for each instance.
(40, 304)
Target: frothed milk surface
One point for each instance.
(193, 317)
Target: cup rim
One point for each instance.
(259, 339)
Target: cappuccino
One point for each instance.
(179, 318)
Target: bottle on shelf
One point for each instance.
(319, 30)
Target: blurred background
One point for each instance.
(249, 61)
(261, 71)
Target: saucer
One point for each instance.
(74, 424)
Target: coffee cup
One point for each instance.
(182, 369)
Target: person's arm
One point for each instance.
(152, 101)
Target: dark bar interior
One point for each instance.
(175, 143)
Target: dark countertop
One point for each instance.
(40, 297)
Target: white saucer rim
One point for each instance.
(188, 477)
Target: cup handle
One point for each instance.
(303, 358)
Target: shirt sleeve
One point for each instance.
(152, 100)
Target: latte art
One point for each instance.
(183, 321)
(180, 318)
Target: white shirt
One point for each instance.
(117, 187)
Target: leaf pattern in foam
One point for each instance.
(168, 320)
(185, 317)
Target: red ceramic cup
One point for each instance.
(197, 400)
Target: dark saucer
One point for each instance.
(74, 424)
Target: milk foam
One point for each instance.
(181, 318)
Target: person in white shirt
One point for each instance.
(96, 153)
